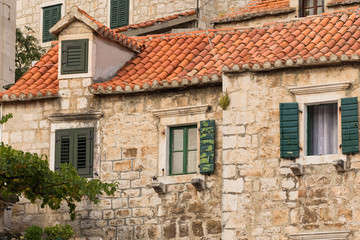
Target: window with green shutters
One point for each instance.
(74, 56)
(349, 125)
(119, 13)
(75, 146)
(51, 15)
(289, 130)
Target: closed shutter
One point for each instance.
(63, 147)
(207, 146)
(83, 141)
(119, 13)
(51, 15)
(349, 125)
(75, 146)
(289, 130)
(74, 56)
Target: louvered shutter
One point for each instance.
(349, 125)
(51, 15)
(83, 144)
(119, 13)
(289, 130)
(63, 147)
(207, 146)
(74, 56)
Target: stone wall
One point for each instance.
(127, 151)
(262, 199)
(7, 42)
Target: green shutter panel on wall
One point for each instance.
(51, 15)
(289, 130)
(349, 125)
(119, 13)
(63, 148)
(83, 145)
(74, 56)
(207, 146)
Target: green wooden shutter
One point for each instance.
(289, 130)
(74, 56)
(207, 146)
(83, 145)
(51, 15)
(349, 125)
(63, 147)
(119, 13)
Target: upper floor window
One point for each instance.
(74, 56)
(311, 7)
(119, 13)
(51, 15)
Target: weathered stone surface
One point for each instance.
(213, 227)
(197, 229)
(170, 230)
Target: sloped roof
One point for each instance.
(256, 8)
(155, 21)
(76, 13)
(176, 60)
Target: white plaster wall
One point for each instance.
(7, 42)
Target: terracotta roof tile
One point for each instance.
(256, 8)
(155, 21)
(173, 60)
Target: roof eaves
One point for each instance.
(27, 97)
(248, 16)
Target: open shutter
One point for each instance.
(74, 58)
(119, 13)
(349, 125)
(63, 148)
(51, 15)
(207, 146)
(83, 144)
(289, 130)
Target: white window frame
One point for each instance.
(315, 95)
(42, 6)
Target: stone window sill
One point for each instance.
(180, 178)
(320, 159)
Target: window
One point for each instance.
(51, 15)
(322, 129)
(74, 56)
(119, 13)
(75, 146)
(183, 150)
(311, 7)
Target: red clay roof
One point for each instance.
(41, 81)
(175, 60)
(153, 22)
(256, 8)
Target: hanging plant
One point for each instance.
(224, 101)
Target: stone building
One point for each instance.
(7, 42)
(280, 161)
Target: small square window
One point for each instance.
(322, 129)
(75, 146)
(311, 7)
(183, 150)
(74, 56)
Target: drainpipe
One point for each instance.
(197, 13)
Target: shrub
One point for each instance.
(33, 233)
(59, 231)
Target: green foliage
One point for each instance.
(5, 118)
(29, 175)
(33, 233)
(224, 101)
(59, 231)
(28, 49)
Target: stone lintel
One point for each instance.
(181, 111)
(59, 117)
(321, 236)
(320, 88)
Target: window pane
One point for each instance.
(178, 140)
(319, 10)
(192, 162)
(309, 3)
(177, 163)
(323, 129)
(192, 136)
